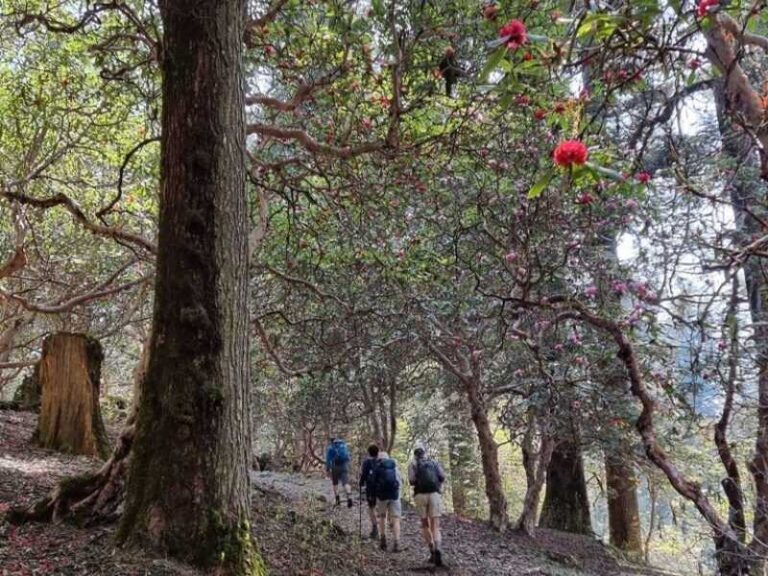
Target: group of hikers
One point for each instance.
(381, 480)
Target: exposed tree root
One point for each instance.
(87, 499)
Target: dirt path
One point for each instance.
(296, 527)
(470, 547)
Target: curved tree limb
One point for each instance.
(70, 206)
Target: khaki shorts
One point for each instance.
(392, 507)
(429, 505)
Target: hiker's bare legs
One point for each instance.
(382, 526)
(426, 533)
(372, 516)
(434, 528)
(394, 524)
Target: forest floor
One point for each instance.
(298, 530)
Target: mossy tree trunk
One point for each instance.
(188, 486)
(623, 509)
(566, 505)
(465, 476)
(69, 374)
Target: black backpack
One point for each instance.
(427, 477)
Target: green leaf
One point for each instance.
(494, 60)
(599, 25)
(540, 185)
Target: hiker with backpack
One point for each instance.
(386, 484)
(367, 484)
(427, 477)
(337, 466)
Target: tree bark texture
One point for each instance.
(188, 485)
(566, 505)
(463, 456)
(489, 456)
(70, 376)
(536, 463)
(623, 509)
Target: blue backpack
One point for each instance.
(340, 453)
(386, 484)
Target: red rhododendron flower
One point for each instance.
(570, 152)
(694, 64)
(515, 33)
(539, 114)
(522, 100)
(704, 7)
(585, 198)
(643, 177)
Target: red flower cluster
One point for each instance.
(570, 152)
(643, 177)
(516, 34)
(522, 100)
(705, 6)
(585, 198)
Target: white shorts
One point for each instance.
(392, 507)
(429, 505)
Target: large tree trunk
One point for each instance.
(566, 506)
(623, 509)
(188, 485)
(70, 375)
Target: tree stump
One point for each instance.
(70, 375)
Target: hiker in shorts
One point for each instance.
(366, 483)
(387, 482)
(427, 477)
(337, 466)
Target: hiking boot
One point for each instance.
(396, 547)
(374, 533)
(338, 500)
(431, 556)
(349, 503)
(438, 558)
(383, 543)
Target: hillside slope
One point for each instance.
(299, 531)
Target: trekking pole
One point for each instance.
(359, 508)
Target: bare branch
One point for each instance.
(311, 144)
(67, 305)
(69, 205)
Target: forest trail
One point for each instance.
(297, 529)
(470, 548)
